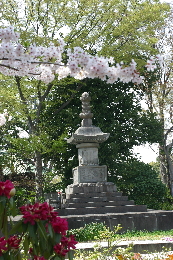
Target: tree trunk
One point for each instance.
(163, 167)
(169, 166)
(38, 175)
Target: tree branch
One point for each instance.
(18, 79)
(68, 101)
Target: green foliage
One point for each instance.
(24, 196)
(116, 110)
(39, 233)
(89, 232)
(142, 184)
(49, 185)
(102, 253)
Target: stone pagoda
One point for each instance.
(87, 138)
(90, 192)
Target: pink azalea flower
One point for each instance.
(3, 245)
(69, 242)
(60, 250)
(60, 225)
(5, 188)
(13, 242)
(38, 211)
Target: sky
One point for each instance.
(146, 153)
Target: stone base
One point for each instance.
(96, 198)
(151, 220)
(90, 187)
(89, 174)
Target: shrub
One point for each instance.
(40, 233)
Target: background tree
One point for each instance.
(142, 184)
(32, 96)
(158, 92)
(116, 109)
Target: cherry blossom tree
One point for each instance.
(44, 65)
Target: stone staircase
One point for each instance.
(96, 198)
(84, 203)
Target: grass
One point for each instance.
(145, 235)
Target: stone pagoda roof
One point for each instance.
(87, 133)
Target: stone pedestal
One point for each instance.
(89, 174)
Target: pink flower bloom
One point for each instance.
(38, 258)
(69, 242)
(3, 245)
(5, 188)
(13, 242)
(60, 250)
(60, 225)
(65, 245)
(38, 211)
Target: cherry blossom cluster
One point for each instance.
(44, 62)
(4, 117)
(154, 61)
(12, 243)
(7, 189)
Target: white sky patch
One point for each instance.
(146, 153)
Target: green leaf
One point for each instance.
(70, 255)
(5, 224)
(42, 230)
(32, 233)
(57, 238)
(50, 230)
(26, 244)
(8, 256)
(17, 228)
(3, 199)
(13, 209)
(57, 258)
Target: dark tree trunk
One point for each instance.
(38, 175)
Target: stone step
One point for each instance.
(102, 210)
(97, 204)
(93, 194)
(96, 199)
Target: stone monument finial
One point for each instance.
(86, 114)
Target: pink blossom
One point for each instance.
(151, 65)
(2, 119)
(3, 245)
(38, 258)
(59, 225)
(5, 188)
(13, 242)
(65, 245)
(38, 211)
(60, 250)
(69, 242)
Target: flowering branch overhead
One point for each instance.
(17, 60)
